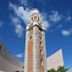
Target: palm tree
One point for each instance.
(61, 69)
(52, 70)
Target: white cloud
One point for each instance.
(25, 14)
(15, 20)
(60, 26)
(66, 32)
(20, 55)
(55, 17)
(56, 28)
(23, 2)
(19, 30)
(1, 23)
(12, 6)
(44, 21)
(68, 18)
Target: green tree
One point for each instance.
(52, 70)
(61, 69)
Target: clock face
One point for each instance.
(35, 17)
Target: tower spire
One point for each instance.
(35, 16)
(35, 20)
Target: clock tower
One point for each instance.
(35, 49)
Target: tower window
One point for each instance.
(41, 44)
(30, 37)
(40, 37)
(30, 34)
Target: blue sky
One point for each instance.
(56, 17)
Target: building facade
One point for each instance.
(35, 53)
(55, 60)
(8, 63)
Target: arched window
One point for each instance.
(30, 37)
(30, 34)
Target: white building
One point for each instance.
(7, 62)
(55, 60)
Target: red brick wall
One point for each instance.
(30, 56)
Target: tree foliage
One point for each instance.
(60, 69)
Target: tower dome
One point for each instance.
(35, 15)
